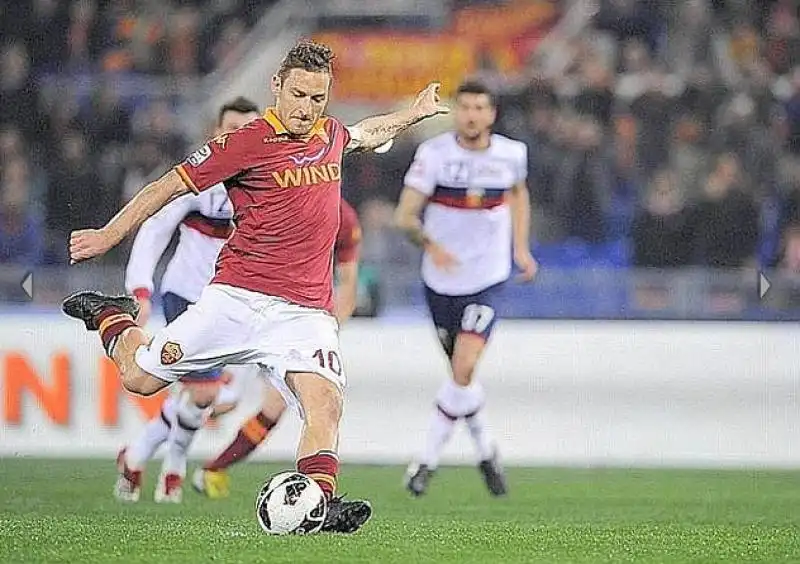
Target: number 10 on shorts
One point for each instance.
(329, 360)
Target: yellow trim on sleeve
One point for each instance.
(186, 180)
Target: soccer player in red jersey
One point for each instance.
(212, 479)
(271, 300)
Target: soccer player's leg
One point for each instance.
(446, 315)
(467, 396)
(210, 334)
(113, 317)
(215, 335)
(212, 479)
(308, 370)
(321, 403)
(132, 459)
(192, 411)
(464, 324)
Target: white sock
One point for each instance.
(452, 403)
(471, 399)
(152, 436)
(460, 401)
(439, 432)
(189, 418)
(477, 430)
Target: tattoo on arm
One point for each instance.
(375, 131)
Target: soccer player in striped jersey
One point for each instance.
(471, 184)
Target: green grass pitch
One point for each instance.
(63, 511)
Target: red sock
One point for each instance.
(133, 476)
(321, 467)
(111, 322)
(252, 433)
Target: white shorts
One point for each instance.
(231, 325)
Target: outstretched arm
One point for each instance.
(216, 161)
(89, 243)
(375, 131)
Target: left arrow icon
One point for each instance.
(27, 284)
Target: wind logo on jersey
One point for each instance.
(308, 175)
(200, 156)
(171, 353)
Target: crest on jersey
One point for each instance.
(171, 353)
(199, 156)
(475, 197)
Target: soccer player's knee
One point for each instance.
(462, 372)
(140, 383)
(138, 386)
(203, 394)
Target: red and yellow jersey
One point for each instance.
(286, 194)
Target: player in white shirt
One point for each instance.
(205, 222)
(472, 187)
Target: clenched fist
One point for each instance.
(427, 102)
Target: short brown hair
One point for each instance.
(240, 105)
(309, 56)
(473, 86)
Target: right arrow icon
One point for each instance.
(763, 285)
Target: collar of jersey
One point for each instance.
(276, 124)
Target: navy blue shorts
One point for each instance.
(475, 314)
(174, 305)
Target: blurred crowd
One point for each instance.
(674, 127)
(672, 130)
(70, 156)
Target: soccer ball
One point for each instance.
(291, 503)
